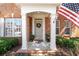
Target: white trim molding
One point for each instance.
(48, 8)
(33, 26)
(44, 29)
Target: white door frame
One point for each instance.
(33, 27)
(44, 29)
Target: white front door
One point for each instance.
(39, 29)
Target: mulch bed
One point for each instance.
(12, 51)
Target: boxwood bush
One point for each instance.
(72, 43)
(6, 43)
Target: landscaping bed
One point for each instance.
(65, 47)
(69, 46)
(6, 43)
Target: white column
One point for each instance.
(44, 29)
(53, 32)
(33, 27)
(24, 31)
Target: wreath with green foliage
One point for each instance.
(38, 25)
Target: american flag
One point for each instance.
(70, 11)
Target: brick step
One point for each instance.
(35, 52)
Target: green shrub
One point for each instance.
(72, 43)
(6, 43)
(76, 42)
(69, 44)
(59, 41)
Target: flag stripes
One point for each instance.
(69, 14)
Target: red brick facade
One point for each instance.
(47, 24)
(7, 9)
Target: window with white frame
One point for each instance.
(67, 25)
(12, 27)
(8, 27)
(57, 27)
(17, 30)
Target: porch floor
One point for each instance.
(39, 46)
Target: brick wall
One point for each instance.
(30, 26)
(6, 10)
(47, 24)
(74, 28)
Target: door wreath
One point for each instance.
(38, 25)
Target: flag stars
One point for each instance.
(72, 6)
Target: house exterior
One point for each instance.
(23, 20)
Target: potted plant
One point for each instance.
(32, 37)
(48, 36)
